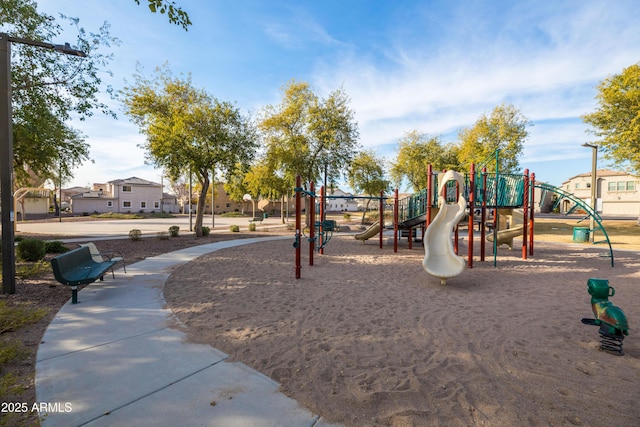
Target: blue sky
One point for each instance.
(431, 66)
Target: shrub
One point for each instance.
(174, 230)
(205, 230)
(346, 216)
(252, 226)
(55, 247)
(135, 234)
(31, 250)
(234, 228)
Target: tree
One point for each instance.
(186, 128)
(175, 14)
(306, 135)
(416, 151)
(505, 129)
(366, 175)
(616, 121)
(49, 89)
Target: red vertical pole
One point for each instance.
(532, 185)
(483, 218)
(321, 221)
(525, 213)
(298, 233)
(312, 222)
(429, 195)
(456, 239)
(381, 216)
(472, 178)
(395, 221)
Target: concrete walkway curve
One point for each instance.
(120, 358)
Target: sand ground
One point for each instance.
(367, 338)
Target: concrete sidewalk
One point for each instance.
(120, 358)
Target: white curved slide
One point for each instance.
(440, 260)
(369, 232)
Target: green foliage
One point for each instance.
(186, 128)
(55, 247)
(174, 231)
(306, 135)
(205, 230)
(416, 151)
(175, 14)
(31, 270)
(49, 89)
(135, 234)
(31, 250)
(234, 228)
(13, 317)
(366, 174)
(346, 216)
(616, 121)
(117, 215)
(232, 214)
(252, 226)
(504, 129)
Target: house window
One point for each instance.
(126, 204)
(577, 185)
(143, 205)
(156, 205)
(126, 189)
(613, 186)
(622, 186)
(110, 204)
(631, 185)
(588, 185)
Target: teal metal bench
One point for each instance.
(77, 267)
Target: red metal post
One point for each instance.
(456, 238)
(322, 215)
(472, 178)
(312, 222)
(298, 221)
(429, 195)
(484, 214)
(525, 213)
(381, 216)
(395, 221)
(532, 186)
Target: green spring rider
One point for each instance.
(611, 319)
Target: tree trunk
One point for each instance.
(202, 203)
(366, 209)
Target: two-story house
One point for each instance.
(617, 193)
(130, 195)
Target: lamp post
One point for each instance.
(6, 152)
(594, 166)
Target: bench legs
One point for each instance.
(74, 295)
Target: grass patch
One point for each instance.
(232, 214)
(116, 215)
(32, 270)
(622, 234)
(16, 316)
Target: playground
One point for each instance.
(367, 337)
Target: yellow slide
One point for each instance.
(369, 232)
(506, 236)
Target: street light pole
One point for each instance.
(594, 169)
(6, 153)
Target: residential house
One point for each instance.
(339, 201)
(130, 195)
(617, 193)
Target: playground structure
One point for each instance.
(489, 201)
